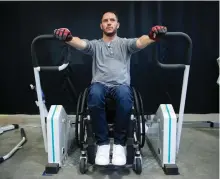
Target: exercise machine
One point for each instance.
(57, 128)
(18, 146)
(163, 130)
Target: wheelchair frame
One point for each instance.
(85, 138)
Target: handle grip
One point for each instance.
(34, 56)
(188, 53)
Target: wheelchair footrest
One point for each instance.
(110, 165)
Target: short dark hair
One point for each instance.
(111, 11)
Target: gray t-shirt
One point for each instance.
(111, 61)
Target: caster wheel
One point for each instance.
(138, 166)
(83, 166)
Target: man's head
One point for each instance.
(109, 23)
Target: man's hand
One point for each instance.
(63, 34)
(157, 32)
(154, 35)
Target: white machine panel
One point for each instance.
(59, 134)
(162, 134)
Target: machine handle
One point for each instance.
(34, 56)
(188, 55)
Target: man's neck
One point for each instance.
(107, 38)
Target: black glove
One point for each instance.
(157, 32)
(63, 34)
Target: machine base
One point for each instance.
(201, 124)
(52, 168)
(60, 136)
(161, 138)
(171, 169)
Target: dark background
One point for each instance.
(21, 22)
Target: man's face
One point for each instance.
(109, 24)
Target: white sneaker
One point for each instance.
(119, 155)
(102, 155)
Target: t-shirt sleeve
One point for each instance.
(131, 45)
(90, 47)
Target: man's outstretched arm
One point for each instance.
(65, 35)
(77, 43)
(154, 35)
(82, 45)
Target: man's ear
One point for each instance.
(100, 26)
(118, 25)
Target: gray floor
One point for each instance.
(198, 157)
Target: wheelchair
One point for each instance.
(85, 137)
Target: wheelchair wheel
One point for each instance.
(83, 166)
(142, 120)
(137, 111)
(138, 166)
(81, 118)
(77, 129)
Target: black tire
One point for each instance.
(91, 153)
(143, 121)
(137, 111)
(138, 166)
(77, 120)
(81, 118)
(83, 166)
(82, 132)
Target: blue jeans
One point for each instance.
(123, 97)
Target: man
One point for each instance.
(110, 75)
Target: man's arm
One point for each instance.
(144, 41)
(83, 45)
(77, 43)
(154, 35)
(65, 35)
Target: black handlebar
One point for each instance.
(34, 56)
(188, 55)
(165, 66)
